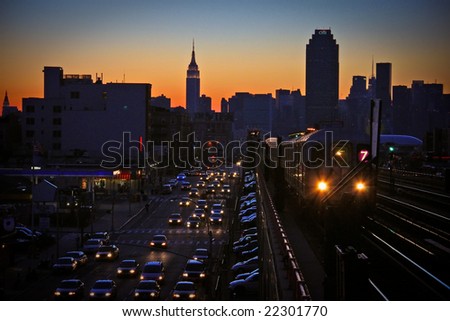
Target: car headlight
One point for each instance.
(163, 244)
(97, 255)
(108, 294)
(192, 295)
(185, 274)
(176, 295)
(119, 271)
(57, 293)
(202, 275)
(132, 271)
(322, 186)
(109, 255)
(152, 294)
(160, 277)
(92, 294)
(152, 243)
(71, 293)
(136, 293)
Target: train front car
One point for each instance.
(325, 165)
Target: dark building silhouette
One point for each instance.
(204, 104)
(322, 78)
(192, 86)
(224, 107)
(289, 112)
(160, 101)
(383, 91)
(358, 104)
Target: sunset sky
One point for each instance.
(256, 46)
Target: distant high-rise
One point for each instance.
(383, 92)
(192, 85)
(322, 78)
(204, 105)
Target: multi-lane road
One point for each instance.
(133, 240)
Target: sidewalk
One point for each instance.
(28, 267)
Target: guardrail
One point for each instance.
(295, 277)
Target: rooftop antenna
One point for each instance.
(372, 68)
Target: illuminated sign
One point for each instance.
(363, 155)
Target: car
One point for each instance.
(200, 184)
(147, 290)
(216, 218)
(159, 240)
(194, 271)
(216, 183)
(248, 203)
(173, 182)
(153, 270)
(107, 252)
(103, 290)
(238, 249)
(199, 212)
(64, 264)
(128, 268)
(201, 254)
(244, 255)
(194, 192)
(181, 177)
(217, 208)
(175, 219)
(247, 211)
(193, 221)
(233, 174)
(226, 189)
(184, 290)
(201, 203)
(250, 230)
(185, 201)
(79, 256)
(166, 189)
(248, 218)
(210, 189)
(245, 287)
(70, 289)
(245, 266)
(247, 196)
(245, 239)
(185, 185)
(92, 245)
(104, 236)
(246, 274)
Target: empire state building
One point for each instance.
(192, 85)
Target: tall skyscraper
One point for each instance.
(322, 78)
(383, 91)
(192, 85)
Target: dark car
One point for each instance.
(201, 203)
(166, 189)
(194, 271)
(103, 290)
(79, 256)
(101, 236)
(238, 249)
(159, 240)
(175, 219)
(194, 192)
(245, 266)
(128, 268)
(216, 218)
(245, 239)
(185, 186)
(147, 290)
(92, 245)
(193, 221)
(184, 290)
(245, 287)
(185, 201)
(153, 270)
(107, 252)
(71, 289)
(201, 254)
(200, 213)
(65, 264)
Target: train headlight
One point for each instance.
(360, 186)
(322, 186)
